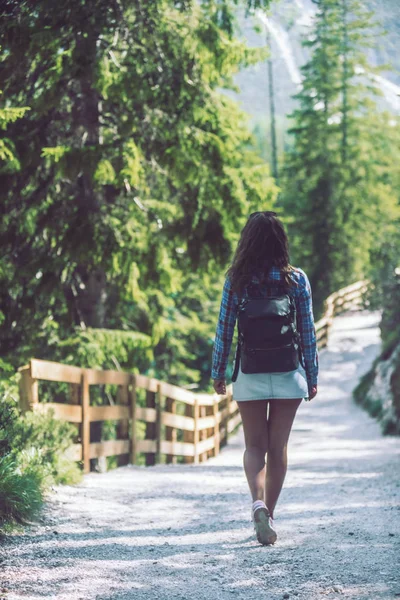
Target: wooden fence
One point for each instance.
(347, 298)
(202, 420)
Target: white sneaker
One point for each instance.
(262, 521)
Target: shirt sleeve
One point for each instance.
(225, 328)
(306, 328)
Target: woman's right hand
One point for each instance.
(312, 392)
(220, 386)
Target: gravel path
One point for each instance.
(183, 532)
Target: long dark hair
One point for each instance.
(263, 243)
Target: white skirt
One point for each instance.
(264, 386)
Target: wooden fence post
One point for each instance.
(158, 423)
(209, 432)
(28, 389)
(132, 404)
(196, 430)
(170, 432)
(123, 425)
(202, 433)
(228, 416)
(330, 313)
(85, 422)
(75, 399)
(150, 457)
(225, 420)
(216, 425)
(188, 436)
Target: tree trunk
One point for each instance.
(91, 280)
(272, 111)
(345, 81)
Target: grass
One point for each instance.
(32, 459)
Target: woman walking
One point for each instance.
(267, 397)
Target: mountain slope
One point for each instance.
(288, 22)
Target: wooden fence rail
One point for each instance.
(203, 420)
(347, 298)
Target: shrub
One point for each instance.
(22, 483)
(51, 437)
(32, 459)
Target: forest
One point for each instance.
(128, 170)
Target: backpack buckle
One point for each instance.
(243, 303)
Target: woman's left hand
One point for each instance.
(220, 386)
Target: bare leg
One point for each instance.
(255, 427)
(280, 420)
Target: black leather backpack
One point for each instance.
(268, 340)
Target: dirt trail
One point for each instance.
(184, 532)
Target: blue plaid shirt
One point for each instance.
(305, 324)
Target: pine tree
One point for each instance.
(331, 194)
(133, 168)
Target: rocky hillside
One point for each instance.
(379, 390)
(288, 22)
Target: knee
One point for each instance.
(257, 446)
(277, 453)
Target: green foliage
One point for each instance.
(21, 489)
(142, 174)
(9, 115)
(8, 381)
(134, 176)
(339, 191)
(32, 458)
(107, 349)
(50, 437)
(261, 132)
(8, 160)
(395, 385)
